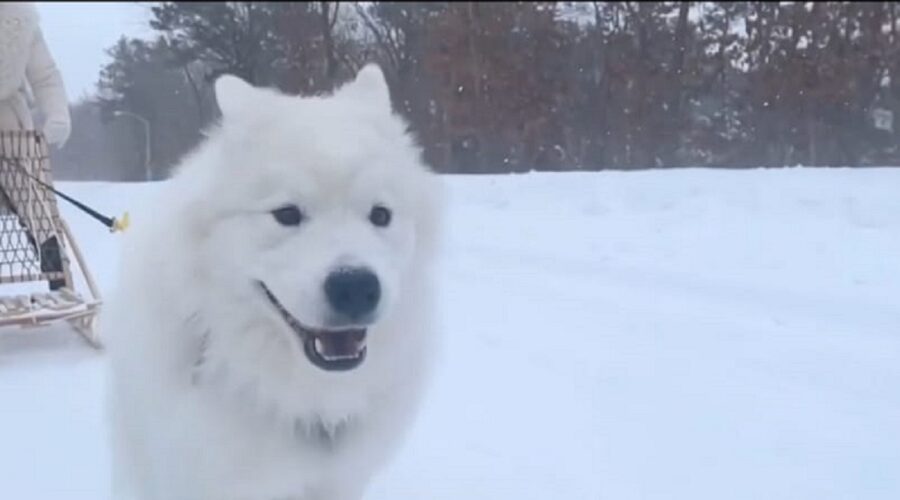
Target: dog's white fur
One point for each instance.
(210, 394)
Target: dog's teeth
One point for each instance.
(340, 357)
(320, 348)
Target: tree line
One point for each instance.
(519, 86)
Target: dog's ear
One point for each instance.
(369, 86)
(233, 94)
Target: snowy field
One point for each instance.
(684, 334)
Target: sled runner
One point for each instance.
(34, 244)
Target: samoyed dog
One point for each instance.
(271, 332)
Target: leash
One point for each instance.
(114, 224)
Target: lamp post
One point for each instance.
(147, 173)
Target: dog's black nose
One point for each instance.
(353, 292)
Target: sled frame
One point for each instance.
(28, 150)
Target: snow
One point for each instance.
(682, 334)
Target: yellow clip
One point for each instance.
(120, 225)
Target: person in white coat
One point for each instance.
(28, 74)
(26, 66)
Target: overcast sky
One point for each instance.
(79, 33)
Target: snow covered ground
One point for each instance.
(686, 334)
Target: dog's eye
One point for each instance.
(380, 216)
(288, 215)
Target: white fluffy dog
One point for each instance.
(271, 332)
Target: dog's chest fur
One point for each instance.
(311, 431)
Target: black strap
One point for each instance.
(107, 221)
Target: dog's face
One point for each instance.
(320, 211)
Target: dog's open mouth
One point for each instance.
(328, 349)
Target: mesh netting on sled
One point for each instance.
(31, 247)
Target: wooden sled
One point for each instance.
(29, 215)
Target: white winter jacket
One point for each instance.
(26, 63)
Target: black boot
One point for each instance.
(51, 261)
